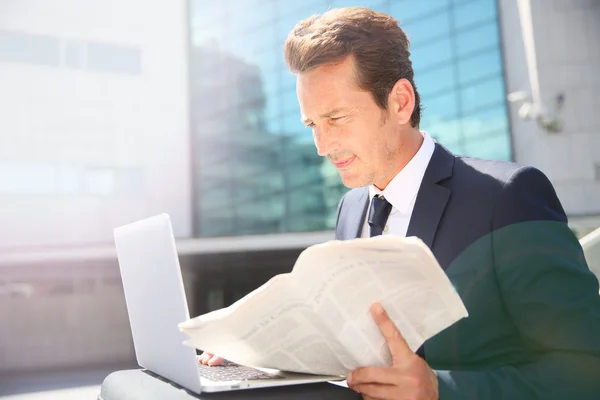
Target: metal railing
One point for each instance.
(591, 249)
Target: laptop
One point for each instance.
(156, 304)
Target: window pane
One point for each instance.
(300, 150)
(304, 222)
(301, 9)
(432, 54)
(217, 199)
(271, 62)
(377, 5)
(429, 28)
(483, 122)
(267, 183)
(285, 24)
(216, 223)
(273, 115)
(477, 39)
(244, 18)
(112, 58)
(247, 45)
(482, 94)
(441, 105)
(473, 12)
(307, 200)
(289, 13)
(408, 10)
(261, 216)
(444, 130)
(435, 81)
(480, 66)
(299, 175)
(493, 147)
(204, 11)
(34, 49)
(217, 171)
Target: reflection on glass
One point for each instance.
(493, 146)
(435, 81)
(478, 39)
(474, 12)
(432, 54)
(443, 105)
(429, 28)
(482, 94)
(485, 121)
(256, 169)
(413, 10)
(482, 65)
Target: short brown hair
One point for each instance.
(375, 40)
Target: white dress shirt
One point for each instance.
(402, 191)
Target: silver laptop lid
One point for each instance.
(155, 299)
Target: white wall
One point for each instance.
(93, 118)
(568, 56)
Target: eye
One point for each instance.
(335, 118)
(310, 125)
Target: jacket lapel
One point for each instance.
(432, 196)
(350, 222)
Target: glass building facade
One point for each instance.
(256, 169)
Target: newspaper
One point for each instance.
(316, 318)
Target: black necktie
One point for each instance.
(378, 215)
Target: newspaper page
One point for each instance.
(272, 327)
(316, 319)
(400, 273)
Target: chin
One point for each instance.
(353, 182)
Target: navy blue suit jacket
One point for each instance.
(500, 233)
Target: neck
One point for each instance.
(408, 149)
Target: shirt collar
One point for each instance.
(403, 188)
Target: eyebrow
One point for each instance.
(306, 121)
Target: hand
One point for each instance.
(210, 359)
(409, 377)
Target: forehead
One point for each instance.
(327, 86)
(337, 75)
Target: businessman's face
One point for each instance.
(360, 139)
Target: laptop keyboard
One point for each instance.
(228, 371)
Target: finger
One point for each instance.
(394, 339)
(205, 357)
(375, 391)
(379, 375)
(215, 360)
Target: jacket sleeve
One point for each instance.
(551, 295)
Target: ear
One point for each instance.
(401, 101)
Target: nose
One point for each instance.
(326, 141)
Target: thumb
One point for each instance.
(399, 349)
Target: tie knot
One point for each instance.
(378, 214)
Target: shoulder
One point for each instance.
(501, 176)
(492, 171)
(522, 193)
(471, 172)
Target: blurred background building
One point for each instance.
(112, 111)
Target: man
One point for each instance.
(496, 228)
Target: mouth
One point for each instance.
(344, 163)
